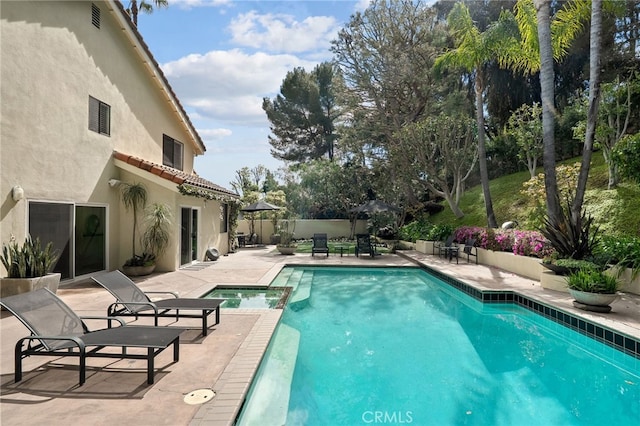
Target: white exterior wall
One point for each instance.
(53, 59)
(305, 228)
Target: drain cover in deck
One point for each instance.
(199, 396)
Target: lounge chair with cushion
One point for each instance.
(320, 244)
(132, 301)
(57, 331)
(364, 245)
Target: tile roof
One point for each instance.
(169, 173)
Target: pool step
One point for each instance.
(299, 299)
(269, 398)
(283, 278)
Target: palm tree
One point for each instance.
(144, 6)
(474, 50)
(540, 40)
(134, 197)
(547, 96)
(594, 102)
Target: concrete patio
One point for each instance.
(224, 361)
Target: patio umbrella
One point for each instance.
(259, 206)
(375, 206)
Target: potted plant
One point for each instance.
(592, 289)
(28, 267)
(134, 197)
(155, 238)
(287, 244)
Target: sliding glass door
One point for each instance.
(78, 234)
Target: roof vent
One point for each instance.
(95, 15)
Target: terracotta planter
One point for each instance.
(137, 271)
(598, 302)
(12, 286)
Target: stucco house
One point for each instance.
(84, 106)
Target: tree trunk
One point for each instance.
(482, 151)
(543, 11)
(454, 207)
(592, 114)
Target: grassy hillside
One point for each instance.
(616, 211)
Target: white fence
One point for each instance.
(305, 228)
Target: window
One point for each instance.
(95, 15)
(172, 152)
(99, 116)
(224, 218)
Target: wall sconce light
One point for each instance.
(17, 193)
(114, 182)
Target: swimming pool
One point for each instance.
(398, 346)
(250, 298)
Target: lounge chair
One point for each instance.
(57, 331)
(132, 301)
(364, 245)
(320, 244)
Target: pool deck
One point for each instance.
(225, 360)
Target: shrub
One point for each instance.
(623, 251)
(416, 230)
(440, 232)
(463, 233)
(626, 155)
(531, 243)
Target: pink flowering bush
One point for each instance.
(522, 243)
(531, 243)
(463, 233)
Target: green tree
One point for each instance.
(442, 152)
(386, 54)
(143, 6)
(613, 121)
(525, 126)
(304, 114)
(539, 40)
(243, 182)
(627, 155)
(474, 49)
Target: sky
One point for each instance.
(223, 57)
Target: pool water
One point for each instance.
(250, 298)
(397, 346)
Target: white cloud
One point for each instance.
(228, 86)
(362, 5)
(283, 33)
(213, 134)
(189, 4)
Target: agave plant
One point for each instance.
(30, 260)
(573, 238)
